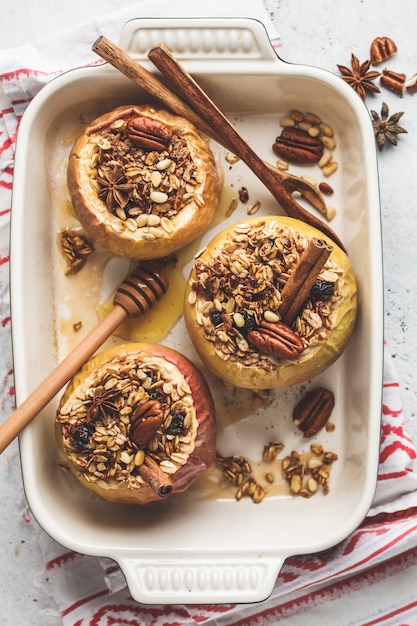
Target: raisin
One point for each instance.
(243, 195)
(322, 290)
(216, 317)
(250, 323)
(155, 394)
(176, 426)
(81, 434)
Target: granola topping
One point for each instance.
(304, 473)
(240, 287)
(143, 187)
(75, 248)
(99, 418)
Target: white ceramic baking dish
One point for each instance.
(198, 548)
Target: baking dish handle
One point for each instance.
(200, 39)
(200, 579)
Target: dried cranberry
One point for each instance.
(81, 434)
(322, 290)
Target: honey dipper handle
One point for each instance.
(47, 389)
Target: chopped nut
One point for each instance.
(325, 159)
(316, 449)
(328, 142)
(254, 208)
(287, 122)
(312, 485)
(382, 48)
(271, 450)
(295, 484)
(329, 457)
(330, 213)
(330, 168)
(232, 207)
(297, 116)
(75, 247)
(326, 189)
(411, 84)
(314, 131)
(232, 158)
(393, 81)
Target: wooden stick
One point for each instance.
(302, 279)
(191, 92)
(141, 77)
(155, 477)
(49, 387)
(129, 301)
(150, 83)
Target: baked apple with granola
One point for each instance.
(270, 302)
(143, 182)
(136, 424)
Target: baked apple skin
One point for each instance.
(313, 360)
(120, 236)
(199, 459)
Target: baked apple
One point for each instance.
(270, 302)
(143, 182)
(137, 424)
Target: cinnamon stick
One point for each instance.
(155, 477)
(185, 107)
(302, 279)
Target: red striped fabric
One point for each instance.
(383, 547)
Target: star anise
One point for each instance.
(359, 78)
(114, 188)
(386, 128)
(103, 403)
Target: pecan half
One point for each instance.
(145, 421)
(297, 146)
(313, 411)
(393, 81)
(148, 133)
(382, 48)
(276, 339)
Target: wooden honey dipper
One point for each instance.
(136, 295)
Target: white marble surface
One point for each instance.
(318, 33)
